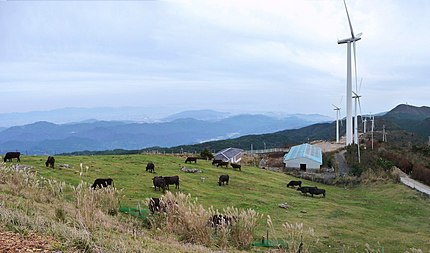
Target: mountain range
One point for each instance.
(189, 127)
(401, 118)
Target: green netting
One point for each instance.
(137, 212)
(271, 243)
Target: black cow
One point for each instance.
(223, 179)
(102, 182)
(50, 162)
(316, 191)
(220, 219)
(216, 161)
(150, 167)
(305, 189)
(220, 164)
(236, 166)
(294, 183)
(172, 180)
(9, 155)
(156, 205)
(159, 182)
(191, 159)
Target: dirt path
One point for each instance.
(406, 180)
(342, 164)
(14, 242)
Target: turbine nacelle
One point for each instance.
(348, 40)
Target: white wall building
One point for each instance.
(304, 157)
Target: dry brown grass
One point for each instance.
(192, 223)
(88, 223)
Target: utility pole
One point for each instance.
(373, 125)
(384, 134)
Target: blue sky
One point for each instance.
(237, 56)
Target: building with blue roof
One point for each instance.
(305, 157)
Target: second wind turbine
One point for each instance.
(348, 42)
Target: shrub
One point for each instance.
(206, 154)
(421, 173)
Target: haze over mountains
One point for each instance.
(43, 137)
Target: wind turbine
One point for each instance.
(356, 98)
(348, 42)
(364, 124)
(372, 118)
(337, 109)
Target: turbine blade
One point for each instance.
(355, 66)
(359, 106)
(359, 87)
(349, 20)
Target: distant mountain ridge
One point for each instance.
(403, 117)
(49, 138)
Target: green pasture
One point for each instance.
(385, 215)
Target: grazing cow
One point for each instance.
(216, 161)
(191, 159)
(236, 166)
(220, 164)
(156, 205)
(316, 191)
(220, 220)
(305, 189)
(172, 180)
(294, 183)
(150, 167)
(50, 162)
(102, 182)
(9, 155)
(223, 179)
(159, 182)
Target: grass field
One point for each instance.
(385, 215)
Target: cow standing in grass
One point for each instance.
(50, 162)
(159, 182)
(102, 182)
(236, 166)
(221, 164)
(223, 179)
(216, 161)
(191, 159)
(172, 180)
(156, 205)
(293, 183)
(10, 155)
(150, 167)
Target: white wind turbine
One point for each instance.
(364, 124)
(372, 118)
(356, 98)
(337, 109)
(348, 42)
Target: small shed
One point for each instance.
(233, 155)
(305, 157)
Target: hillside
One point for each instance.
(382, 214)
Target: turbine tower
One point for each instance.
(348, 42)
(364, 124)
(337, 109)
(356, 98)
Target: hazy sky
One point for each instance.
(238, 56)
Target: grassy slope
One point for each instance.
(346, 219)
